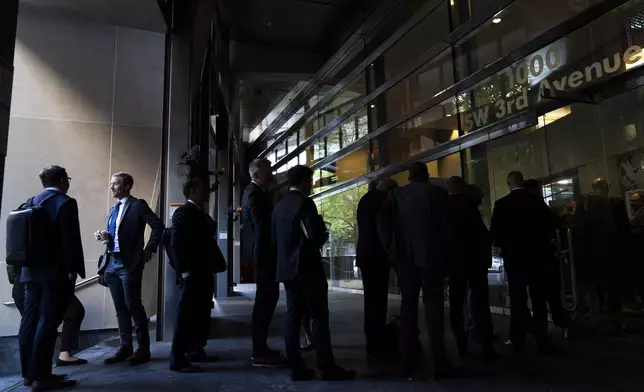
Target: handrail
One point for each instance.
(79, 285)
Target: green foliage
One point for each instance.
(340, 211)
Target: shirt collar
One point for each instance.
(54, 189)
(516, 189)
(124, 200)
(195, 204)
(260, 187)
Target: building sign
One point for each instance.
(540, 75)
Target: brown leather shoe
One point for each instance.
(139, 357)
(122, 355)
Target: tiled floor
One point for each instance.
(608, 365)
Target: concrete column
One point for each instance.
(8, 23)
(222, 217)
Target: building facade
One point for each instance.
(477, 89)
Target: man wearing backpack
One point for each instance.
(49, 286)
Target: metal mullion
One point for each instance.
(548, 37)
(345, 54)
(391, 41)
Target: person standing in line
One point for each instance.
(413, 228)
(560, 317)
(257, 208)
(122, 271)
(521, 226)
(470, 257)
(374, 266)
(192, 239)
(72, 320)
(299, 233)
(48, 289)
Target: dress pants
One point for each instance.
(375, 281)
(412, 279)
(266, 298)
(521, 278)
(44, 305)
(311, 293)
(72, 318)
(479, 305)
(125, 288)
(192, 324)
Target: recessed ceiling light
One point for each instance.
(496, 20)
(373, 106)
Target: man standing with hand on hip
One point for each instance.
(124, 260)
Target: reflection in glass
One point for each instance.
(339, 211)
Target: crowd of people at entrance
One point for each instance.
(427, 234)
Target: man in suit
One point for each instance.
(72, 320)
(125, 258)
(521, 226)
(193, 237)
(413, 228)
(470, 257)
(257, 208)
(298, 235)
(374, 266)
(49, 289)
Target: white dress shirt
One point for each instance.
(119, 217)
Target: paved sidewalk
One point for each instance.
(607, 365)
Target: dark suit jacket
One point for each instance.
(413, 226)
(522, 226)
(470, 241)
(68, 256)
(135, 216)
(370, 251)
(193, 236)
(257, 209)
(298, 254)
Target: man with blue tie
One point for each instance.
(49, 288)
(123, 264)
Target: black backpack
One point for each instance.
(30, 235)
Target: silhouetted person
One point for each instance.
(637, 238)
(413, 228)
(600, 232)
(72, 320)
(374, 266)
(298, 235)
(192, 242)
(257, 208)
(470, 257)
(124, 259)
(553, 284)
(521, 227)
(49, 288)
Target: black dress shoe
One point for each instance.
(29, 382)
(120, 356)
(186, 368)
(77, 362)
(302, 373)
(336, 373)
(201, 357)
(52, 383)
(139, 357)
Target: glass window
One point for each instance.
(339, 213)
(430, 129)
(519, 23)
(292, 142)
(333, 144)
(411, 46)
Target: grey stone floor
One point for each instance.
(585, 365)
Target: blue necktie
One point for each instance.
(111, 225)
